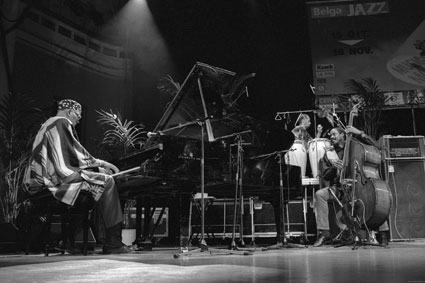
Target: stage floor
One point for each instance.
(400, 262)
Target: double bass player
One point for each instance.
(330, 170)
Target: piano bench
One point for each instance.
(41, 210)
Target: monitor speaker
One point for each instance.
(406, 179)
(402, 147)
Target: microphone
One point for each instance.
(153, 134)
(313, 89)
(205, 118)
(326, 133)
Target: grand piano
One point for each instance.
(196, 146)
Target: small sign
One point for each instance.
(325, 67)
(325, 74)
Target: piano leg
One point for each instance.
(278, 219)
(143, 240)
(280, 211)
(139, 209)
(185, 204)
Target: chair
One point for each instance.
(42, 208)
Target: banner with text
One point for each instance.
(382, 40)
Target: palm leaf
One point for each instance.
(374, 101)
(17, 122)
(120, 133)
(167, 85)
(18, 118)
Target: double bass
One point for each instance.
(367, 197)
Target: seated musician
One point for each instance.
(297, 154)
(300, 130)
(330, 172)
(62, 165)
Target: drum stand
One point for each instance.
(284, 243)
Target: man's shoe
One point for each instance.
(384, 238)
(321, 241)
(117, 250)
(73, 250)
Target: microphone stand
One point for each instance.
(282, 206)
(239, 197)
(238, 186)
(283, 242)
(203, 247)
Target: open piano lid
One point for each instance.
(208, 94)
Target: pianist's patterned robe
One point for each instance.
(56, 155)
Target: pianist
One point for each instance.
(62, 165)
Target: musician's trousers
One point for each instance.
(108, 201)
(322, 210)
(107, 213)
(109, 204)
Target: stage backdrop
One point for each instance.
(383, 40)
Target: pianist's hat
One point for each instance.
(69, 104)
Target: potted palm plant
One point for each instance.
(17, 121)
(373, 99)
